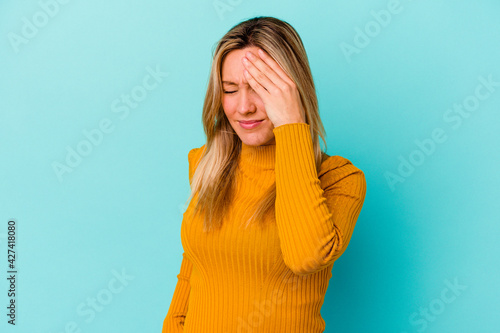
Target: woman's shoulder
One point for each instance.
(335, 167)
(194, 157)
(195, 154)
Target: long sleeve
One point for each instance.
(315, 218)
(174, 321)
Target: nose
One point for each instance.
(245, 102)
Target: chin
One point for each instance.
(257, 142)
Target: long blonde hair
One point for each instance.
(213, 179)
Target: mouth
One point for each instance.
(250, 123)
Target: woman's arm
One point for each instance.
(315, 217)
(174, 321)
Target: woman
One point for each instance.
(269, 212)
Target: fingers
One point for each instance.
(256, 77)
(261, 90)
(276, 67)
(262, 72)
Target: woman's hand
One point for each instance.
(278, 92)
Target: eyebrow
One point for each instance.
(230, 82)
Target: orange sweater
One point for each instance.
(272, 279)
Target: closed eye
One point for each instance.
(229, 92)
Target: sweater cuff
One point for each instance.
(294, 146)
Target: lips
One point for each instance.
(249, 121)
(250, 124)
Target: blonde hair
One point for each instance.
(213, 179)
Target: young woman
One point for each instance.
(269, 212)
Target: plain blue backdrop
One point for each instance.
(101, 101)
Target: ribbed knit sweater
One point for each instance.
(273, 279)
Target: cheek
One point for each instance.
(228, 107)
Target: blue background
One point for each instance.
(120, 209)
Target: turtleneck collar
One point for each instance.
(260, 157)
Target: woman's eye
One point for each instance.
(229, 92)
